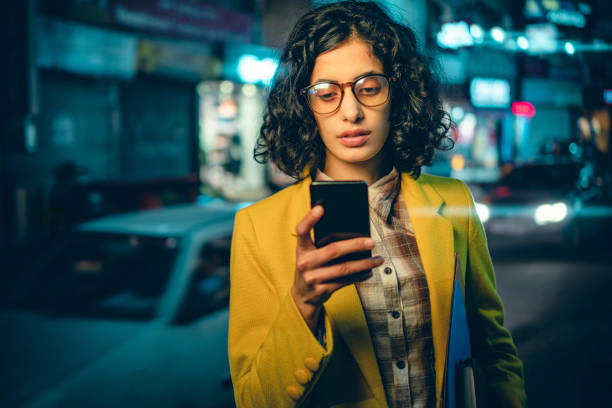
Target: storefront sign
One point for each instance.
(490, 93)
(187, 18)
(85, 49)
(246, 63)
(178, 59)
(565, 13)
(542, 38)
(455, 35)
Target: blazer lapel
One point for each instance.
(344, 308)
(434, 236)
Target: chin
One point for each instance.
(358, 156)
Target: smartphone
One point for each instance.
(346, 214)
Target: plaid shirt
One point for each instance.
(396, 301)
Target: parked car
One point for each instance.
(130, 311)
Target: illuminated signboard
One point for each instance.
(542, 38)
(455, 35)
(565, 13)
(248, 63)
(490, 93)
(525, 109)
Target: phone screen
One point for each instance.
(346, 213)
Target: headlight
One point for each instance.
(547, 213)
(483, 212)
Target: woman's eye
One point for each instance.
(367, 91)
(327, 96)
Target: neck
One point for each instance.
(368, 171)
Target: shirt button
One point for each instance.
(395, 314)
(400, 364)
(388, 270)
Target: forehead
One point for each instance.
(345, 62)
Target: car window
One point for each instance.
(107, 275)
(209, 284)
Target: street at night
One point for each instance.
(162, 164)
(558, 304)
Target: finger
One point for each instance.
(303, 228)
(319, 257)
(344, 247)
(329, 287)
(346, 271)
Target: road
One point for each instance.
(558, 305)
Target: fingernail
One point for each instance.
(378, 260)
(369, 243)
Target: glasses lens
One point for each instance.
(372, 90)
(324, 97)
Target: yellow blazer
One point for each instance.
(275, 361)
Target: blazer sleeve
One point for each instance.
(274, 358)
(492, 344)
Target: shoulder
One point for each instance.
(439, 182)
(278, 212)
(450, 189)
(266, 229)
(277, 201)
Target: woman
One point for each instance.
(357, 102)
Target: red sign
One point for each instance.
(523, 109)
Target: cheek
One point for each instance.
(384, 121)
(387, 113)
(322, 126)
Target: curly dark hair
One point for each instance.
(289, 136)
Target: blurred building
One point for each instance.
(517, 76)
(129, 104)
(122, 105)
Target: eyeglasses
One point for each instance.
(370, 90)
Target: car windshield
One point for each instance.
(106, 275)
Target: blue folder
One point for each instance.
(459, 353)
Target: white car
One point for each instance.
(129, 312)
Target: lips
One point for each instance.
(354, 138)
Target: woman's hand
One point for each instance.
(312, 286)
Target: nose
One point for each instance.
(350, 108)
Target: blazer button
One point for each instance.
(388, 270)
(294, 392)
(311, 363)
(302, 376)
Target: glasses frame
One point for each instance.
(304, 91)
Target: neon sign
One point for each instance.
(525, 109)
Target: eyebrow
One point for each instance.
(318, 80)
